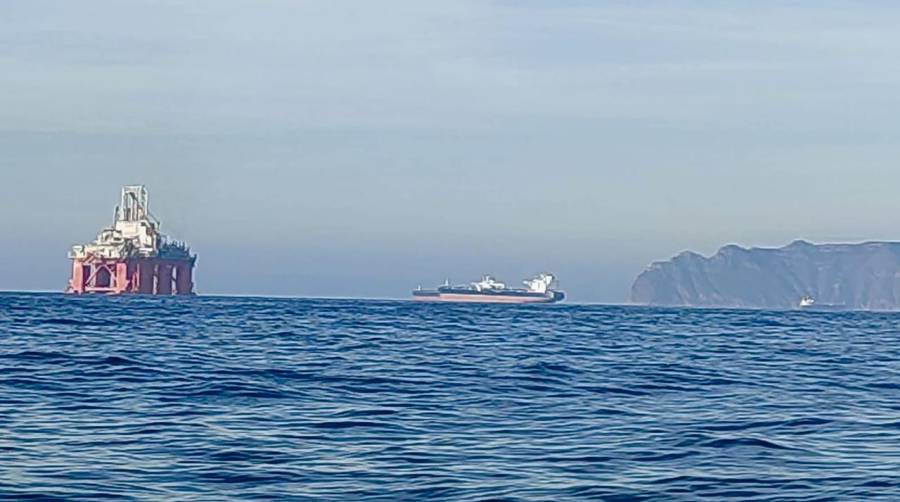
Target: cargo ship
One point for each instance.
(132, 256)
(538, 289)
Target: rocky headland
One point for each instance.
(862, 276)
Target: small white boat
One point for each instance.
(809, 303)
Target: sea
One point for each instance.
(226, 398)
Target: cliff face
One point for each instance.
(858, 276)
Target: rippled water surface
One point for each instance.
(284, 399)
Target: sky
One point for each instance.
(358, 148)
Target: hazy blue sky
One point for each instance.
(362, 148)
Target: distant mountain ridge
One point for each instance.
(863, 276)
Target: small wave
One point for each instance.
(666, 457)
(119, 361)
(585, 459)
(364, 413)
(599, 389)
(228, 390)
(347, 424)
(551, 369)
(75, 322)
(769, 424)
(37, 355)
(668, 388)
(739, 442)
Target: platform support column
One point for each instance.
(164, 279)
(184, 281)
(76, 285)
(120, 281)
(146, 277)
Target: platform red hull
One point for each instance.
(147, 276)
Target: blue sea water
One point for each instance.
(211, 398)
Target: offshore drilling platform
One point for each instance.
(132, 256)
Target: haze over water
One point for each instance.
(361, 148)
(253, 398)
